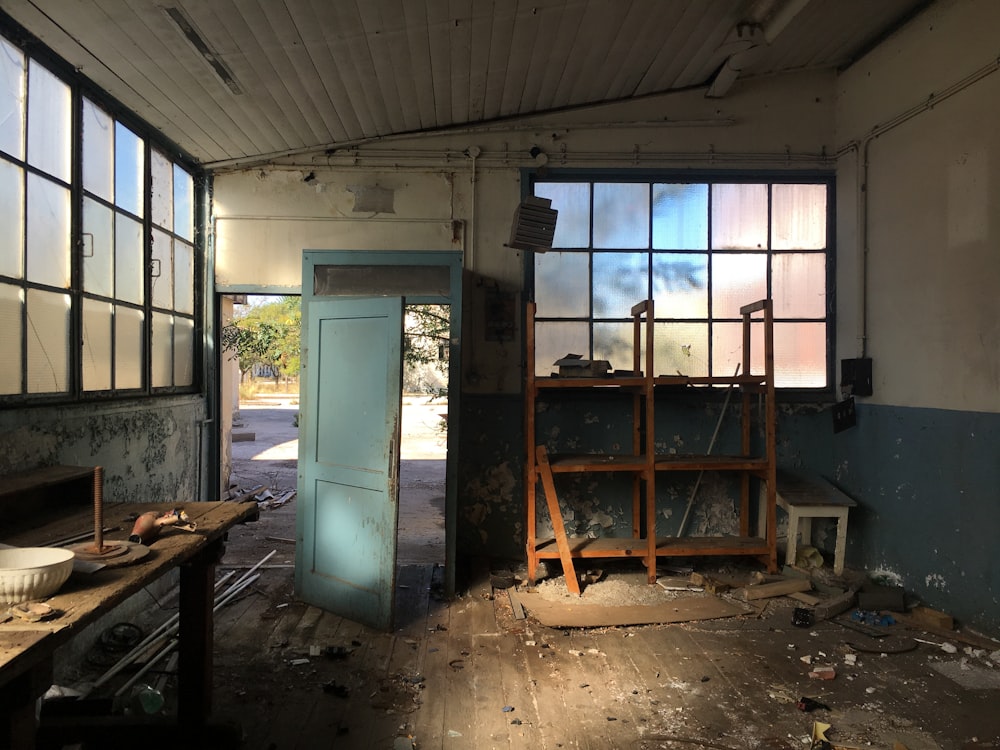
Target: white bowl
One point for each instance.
(28, 573)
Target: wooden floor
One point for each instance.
(467, 674)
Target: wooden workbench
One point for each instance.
(26, 649)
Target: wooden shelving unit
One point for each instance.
(644, 464)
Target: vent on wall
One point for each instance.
(186, 26)
(534, 225)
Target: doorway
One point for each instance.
(354, 344)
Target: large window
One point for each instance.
(97, 245)
(699, 250)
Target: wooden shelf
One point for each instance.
(644, 464)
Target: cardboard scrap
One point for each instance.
(559, 615)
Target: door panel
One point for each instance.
(348, 464)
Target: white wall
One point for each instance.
(916, 123)
(460, 190)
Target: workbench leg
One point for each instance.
(195, 631)
(18, 698)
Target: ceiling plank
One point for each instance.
(415, 20)
(438, 28)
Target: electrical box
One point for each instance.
(856, 377)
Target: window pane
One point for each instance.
(800, 355)
(48, 122)
(162, 346)
(680, 285)
(613, 342)
(129, 165)
(96, 353)
(572, 201)
(562, 285)
(10, 338)
(183, 351)
(11, 100)
(48, 232)
(727, 348)
(128, 259)
(737, 280)
(798, 218)
(183, 277)
(98, 145)
(98, 248)
(183, 204)
(161, 171)
(11, 220)
(620, 281)
(162, 270)
(48, 342)
(680, 217)
(128, 348)
(621, 215)
(739, 216)
(553, 341)
(798, 281)
(681, 349)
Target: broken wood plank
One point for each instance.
(710, 584)
(802, 596)
(778, 588)
(932, 617)
(833, 607)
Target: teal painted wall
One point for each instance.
(927, 483)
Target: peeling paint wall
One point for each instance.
(149, 449)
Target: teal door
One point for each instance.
(349, 457)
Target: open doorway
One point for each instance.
(420, 531)
(261, 348)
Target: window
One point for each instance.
(699, 250)
(97, 245)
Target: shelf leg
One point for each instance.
(558, 527)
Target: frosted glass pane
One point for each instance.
(47, 232)
(613, 342)
(183, 277)
(11, 220)
(680, 285)
(800, 355)
(680, 217)
(48, 342)
(621, 215)
(128, 348)
(562, 285)
(739, 216)
(553, 341)
(128, 259)
(161, 174)
(96, 352)
(737, 280)
(183, 351)
(620, 281)
(129, 166)
(183, 203)
(798, 217)
(162, 347)
(572, 201)
(98, 150)
(727, 348)
(798, 284)
(98, 248)
(48, 122)
(162, 270)
(10, 338)
(11, 100)
(681, 349)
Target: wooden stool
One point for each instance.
(805, 498)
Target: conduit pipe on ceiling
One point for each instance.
(862, 147)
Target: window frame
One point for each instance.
(80, 299)
(530, 177)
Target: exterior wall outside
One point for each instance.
(149, 449)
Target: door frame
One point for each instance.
(452, 260)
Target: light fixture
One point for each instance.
(534, 225)
(186, 26)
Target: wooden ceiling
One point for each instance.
(237, 80)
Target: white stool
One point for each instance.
(805, 498)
